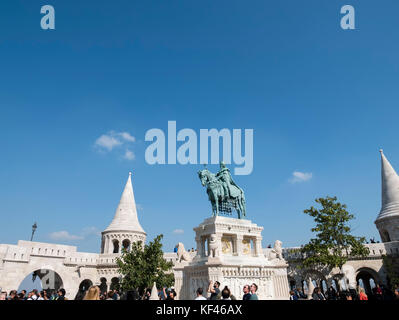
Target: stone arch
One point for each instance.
(367, 275)
(115, 244)
(126, 245)
(50, 279)
(323, 286)
(83, 287)
(114, 284)
(103, 285)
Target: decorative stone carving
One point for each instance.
(213, 246)
(350, 275)
(277, 251)
(182, 254)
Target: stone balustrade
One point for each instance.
(377, 250)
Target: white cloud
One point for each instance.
(178, 231)
(126, 136)
(107, 142)
(64, 236)
(129, 155)
(298, 176)
(112, 139)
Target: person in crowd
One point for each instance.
(21, 296)
(317, 294)
(348, 296)
(132, 295)
(214, 290)
(147, 294)
(40, 295)
(3, 295)
(115, 296)
(171, 295)
(247, 292)
(61, 294)
(362, 294)
(93, 293)
(200, 296)
(110, 295)
(377, 291)
(162, 294)
(254, 288)
(226, 294)
(331, 293)
(293, 296)
(300, 294)
(31, 296)
(23, 292)
(35, 294)
(12, 295)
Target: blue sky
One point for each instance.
(320, 100)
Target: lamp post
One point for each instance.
(34, 227)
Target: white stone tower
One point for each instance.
(125, 227)
(388, 220)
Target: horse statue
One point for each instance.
(222, 191)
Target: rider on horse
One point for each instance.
(224, 176)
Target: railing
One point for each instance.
(376, 250)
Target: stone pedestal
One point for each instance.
(230, 251)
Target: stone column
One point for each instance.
(258, 246)
(239, 240)
(203, 239)
(199, 247)
(106, 247)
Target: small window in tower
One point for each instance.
(116, 246)
(385, 236)
(126, 245)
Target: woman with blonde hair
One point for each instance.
(362, 294)
(93, 293)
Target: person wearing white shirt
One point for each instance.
(200, 291)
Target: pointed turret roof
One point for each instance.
(125, 218)
(389, 189)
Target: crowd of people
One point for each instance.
(34, 295)
(94, 293)
(378, 293)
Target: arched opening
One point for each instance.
(42, 279)
(367, 279)
(126, 245)
(385, 236)
(323, 286)
(83, 287)
(103, 286)
(116, 246)
(114, 284)
(292, 284)
(334, 284)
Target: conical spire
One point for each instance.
(389, 189)
(125, 218)
(154, 292)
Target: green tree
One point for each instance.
(144, 265)
(334, 243)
